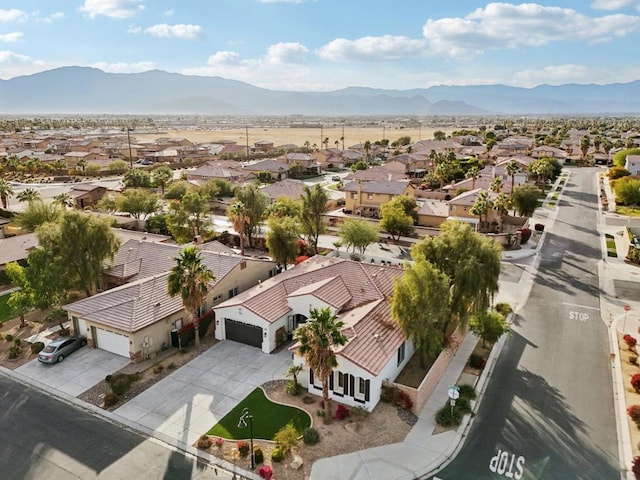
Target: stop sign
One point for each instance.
(627, 308)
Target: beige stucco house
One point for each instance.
(366, 198)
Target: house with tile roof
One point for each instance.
(284, 188)
(135, 316)
(357, 293)
(278, 170)
(366, 198)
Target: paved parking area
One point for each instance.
(78, 372)
(192, 399)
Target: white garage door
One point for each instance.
(113, 342)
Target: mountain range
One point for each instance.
(85, 90)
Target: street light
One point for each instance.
(242, 423)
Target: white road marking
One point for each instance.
(580, 306)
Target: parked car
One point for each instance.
(335, 178)
(58, 349)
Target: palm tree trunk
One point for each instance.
(23, 321)
(196, 330)
(325, 398)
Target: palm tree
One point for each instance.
(6, 190)
(502, 204)
(542, 169)
(496, 185)
(59, 165)
(190, 278)
(307, 144)
(367, 148)
(512, 169)
(28, 195)
(597, 141)
(337, 143)
(238, 218)
(585, 143)
(473, 173)
(481, 206)
(317, 338)
(82, 163)
(64, 200)
(12, 162)
(325, 142)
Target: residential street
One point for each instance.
(42, 437)
(548, 412)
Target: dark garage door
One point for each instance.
(243, 333)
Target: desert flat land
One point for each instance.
(298, 136)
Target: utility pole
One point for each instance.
(129, 142)
(321, 135)
(246, 136)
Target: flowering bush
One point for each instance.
(243, 448)
(635, 467)
(218, 442)
(525, 235)
(630, 341)
(300, 259)
(266, 472)
(342, 412)
(634, 413)
(403, 400)
(635, 382)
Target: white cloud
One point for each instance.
(12, 15)
(553, 75)
(500, 25)
(111, 8)
(174, 31)
(170, 12)
(123, 67)
(224, 58)
(134, 29)
(14, 64)
(386, 47)
(615, 4)
(52, 18)
(283, 53)
(10, 37)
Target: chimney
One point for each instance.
(389, 177)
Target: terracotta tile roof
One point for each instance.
(332, 291)
(434, 208)
(376, 173)
(365, 283)
(284, 188)
(392, 188)
(16, 248)
(268, 165)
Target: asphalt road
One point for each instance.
(44, 438)
(548, 412)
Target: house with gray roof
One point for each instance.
(357, 293)
(135, 316)
(284, 188)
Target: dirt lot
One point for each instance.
(297, 136)
(341, 436)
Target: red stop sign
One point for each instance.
(627, 308)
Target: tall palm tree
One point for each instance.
(28, 195)
(307, 144)
(496, 185)
(190, 278)
(64, 200)
(6, 190)
(512, 169)
(317, 338)
(585, 143)
(473, 173)
(367, 148)
(481, 206)
(238, 217)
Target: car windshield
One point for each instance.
(49, 349)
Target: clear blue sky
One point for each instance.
(330, 44)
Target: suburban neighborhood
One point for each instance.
(357, 284)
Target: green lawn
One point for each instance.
(629, 211)
(268, 418)
(5, 311)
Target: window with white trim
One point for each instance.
(401, 353)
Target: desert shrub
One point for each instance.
(218, 442)
(503, 309)
(341, 413)
(633, 359)
(171, 366)
(120, 383)
(476, 361)
(403, 400)
(8, 337)
(635, 381)
(634, 413)
(467, 391)
(388, 394)
(320, 412)
(630, 340)
(286, 438)
(110, 399)
(258, 455)
(293, 388)
(17, 342)
(463, 405)
(204, 442)
(266, 472)
(539, 227)
(243, 448)
(277, 455)
(37, 347)
(158, 368)
(359, 413)
(308, 400)
(14, 351)
(525, 235)
(448, 417)
(311, 436)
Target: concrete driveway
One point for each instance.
(78, 372)
(191, 400)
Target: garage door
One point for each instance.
(113, 342)
(243, 333)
